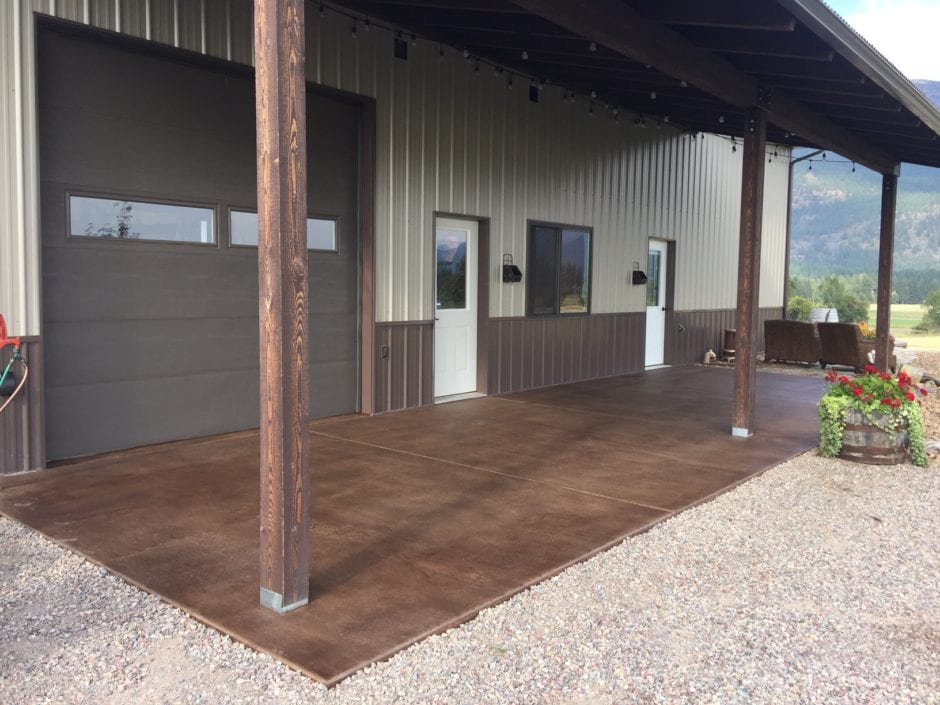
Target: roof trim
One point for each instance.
(835, 31)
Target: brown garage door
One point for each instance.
(150, 278)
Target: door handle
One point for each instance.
(665, 309)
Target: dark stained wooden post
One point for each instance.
(889, 202)
(752, 208)
(282, 278)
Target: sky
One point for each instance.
(905, 31)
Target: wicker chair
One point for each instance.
(791, 341)
(843, 344)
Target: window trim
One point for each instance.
(558, 227)
(311, 215)
(156, 200)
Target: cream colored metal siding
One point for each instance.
(19, 241)
(448, 140)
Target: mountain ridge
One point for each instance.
(836, 214)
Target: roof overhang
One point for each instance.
(699, 65)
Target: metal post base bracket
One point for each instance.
(741, 432)
(275, 601)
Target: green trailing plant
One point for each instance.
(831, 424)
(889, 402)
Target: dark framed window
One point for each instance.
(121, 218)
(559, 270)
(321, 232)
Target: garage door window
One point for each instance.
(321, 232)
(122, 219)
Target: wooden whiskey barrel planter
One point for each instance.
(871, 442)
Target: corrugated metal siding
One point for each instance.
(526, 353)
(447, 140)
(22, 442)
(405, 377)
(19, 232)
(689, 334)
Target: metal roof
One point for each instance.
(699, 64)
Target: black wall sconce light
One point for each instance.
(638, 276)
(511, 273)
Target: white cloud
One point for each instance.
(905, 31)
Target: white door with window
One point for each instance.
(656, 303)
(455, 315)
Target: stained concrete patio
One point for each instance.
(420, 518)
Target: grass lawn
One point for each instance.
(903, 318)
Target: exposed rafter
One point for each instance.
(622, 29)
(726, 15)
(865, 58)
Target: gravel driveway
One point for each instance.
(818, 582)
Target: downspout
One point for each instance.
(786, 260)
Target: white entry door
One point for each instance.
(455, 315)
(656, 303)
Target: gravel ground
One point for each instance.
(930, 362)
(818, 582)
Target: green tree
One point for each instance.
(799, 308)
(862, 286)
(800, 286)
(931, 320)
(833, 293)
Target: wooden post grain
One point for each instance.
(282, 278)
(889, 202)
(752, 207)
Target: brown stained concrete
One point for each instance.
(420, 518)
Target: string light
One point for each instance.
(366, 24)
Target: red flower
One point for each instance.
(885, 376)
(886, 401)
(843, 379)
(910, 396)
(857, 391)
(871, 369)
(831, 376)
(923, 391)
